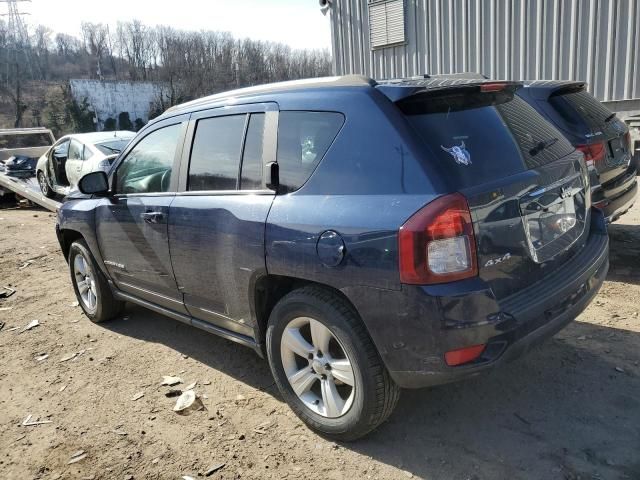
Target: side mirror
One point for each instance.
(94, 183)
(272, 171)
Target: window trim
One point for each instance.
(81, 149)
(181, 120)
(270, 109)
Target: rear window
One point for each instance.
(25, 140)
(303, 139)
(481, 136)
(578, 107)
(112, 147)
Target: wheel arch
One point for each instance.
(270, 289)
(66, 238)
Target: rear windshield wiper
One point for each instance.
(114, 150)
(610, 117)
(541, 145)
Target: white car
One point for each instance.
(73, 156)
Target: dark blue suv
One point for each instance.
(362, 236)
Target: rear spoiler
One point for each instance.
(544, 89)
(397, 90)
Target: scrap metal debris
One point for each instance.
(187, 403)
(30, 325)
(41, 357)
(28, 423)
(69, 357)
(2, 324)
(191, 386)
(77, 456)
(214, 469)
(25, 265)
(137, 396)
(6, 292)
(170, 381)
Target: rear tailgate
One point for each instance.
(595, 124)
(525, 184)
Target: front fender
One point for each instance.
(76, 219)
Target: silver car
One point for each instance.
(73, 156)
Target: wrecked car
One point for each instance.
(72, 156)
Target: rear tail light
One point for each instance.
(593, 154)
(437, 243)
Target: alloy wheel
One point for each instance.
(44, 187)
(85, 281)
(317, 367)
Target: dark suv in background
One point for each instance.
(597, 132)
(362, 236)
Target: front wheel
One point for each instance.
(90, 285)
(326, 366)
(44, 185)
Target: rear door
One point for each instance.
(132, 224)
(217, 220)
(524, 182)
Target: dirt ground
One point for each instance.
(568, 410)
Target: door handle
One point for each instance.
(152, 217)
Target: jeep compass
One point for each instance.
(364, 237)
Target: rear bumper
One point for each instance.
(619, 196)
(414, 350)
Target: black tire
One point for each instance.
(106, 306)
(45, 188)
(375, 395)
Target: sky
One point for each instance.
(298, 23)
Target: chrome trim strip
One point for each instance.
(149, 292)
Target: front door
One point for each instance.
(74, 164)
(57, 165)
(217, 220)
(132, 224)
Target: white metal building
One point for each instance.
(597, 41)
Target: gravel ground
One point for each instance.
(568, 410)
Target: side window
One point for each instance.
(303, 139)
(215, 155)
(60, 151)
(251, 178)
(75, 150)
(147, 168)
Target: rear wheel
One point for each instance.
(44, 185)
(90, 285)
(326, 366)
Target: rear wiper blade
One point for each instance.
(541, 145)
(610, 117)
(114, 150)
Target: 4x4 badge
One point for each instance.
(459, 153)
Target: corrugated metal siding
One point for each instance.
(597, 41)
